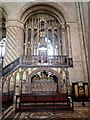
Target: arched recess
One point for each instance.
(40, 70)
(52, 9)
(48, 7)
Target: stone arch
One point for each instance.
(47, 69)
(50, 8)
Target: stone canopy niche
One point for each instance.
(44, 82)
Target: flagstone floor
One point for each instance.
(79, 113)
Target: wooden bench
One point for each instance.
(32, 102)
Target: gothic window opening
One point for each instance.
(43, 36)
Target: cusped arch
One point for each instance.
(43, 7)
(42, 69)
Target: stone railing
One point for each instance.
(51, 61)
(10, 67)
(38, 61)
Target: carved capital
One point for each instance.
(14, 23)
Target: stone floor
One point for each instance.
(79, 113)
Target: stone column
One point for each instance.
(14, 40)
(59, 85)
(69, 41)
(63, 51)
(82, 39)
(32, 38)
(88, 43)
(14, 79)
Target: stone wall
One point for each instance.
(71, 12)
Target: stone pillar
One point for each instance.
(76, 55)
(14, 79)
(14, 40)
(59, 85)
(26, 40)
(32, 37)
(63, 51)
(69, 41)
(82, 40)
(20, 77)
(26, 84)
(88, 43)
(29, 85)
